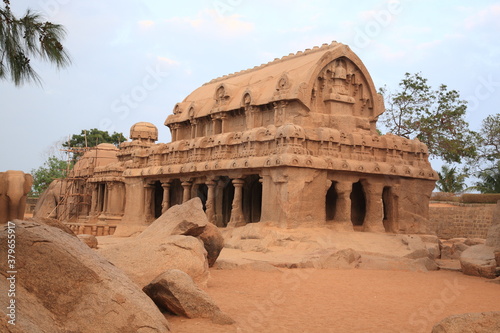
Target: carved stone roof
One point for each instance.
(97, 157)
(144, 130)
(291, 77)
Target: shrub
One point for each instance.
(480, 198)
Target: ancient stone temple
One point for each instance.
(292, 143)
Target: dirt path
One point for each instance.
(309, 300)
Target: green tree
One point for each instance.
(489, 180)
(91, 138)
(435, 117)
(53, 168)
(27, 37)
(450, 180)
(489, 140)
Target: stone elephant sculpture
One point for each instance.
(14, 188)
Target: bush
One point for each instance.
(480, 198)
(445, 196)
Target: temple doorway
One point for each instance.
(202, 193)
(331, 202)
(175, 192)
(101, 198)
(158, 199)
(252, 198)
(358, 204)
(223, 201)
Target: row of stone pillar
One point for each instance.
(237, 217)
(374, 215)
(107, 199)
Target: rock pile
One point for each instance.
(61, 285)
(175, 291)
(174, 241)
(483, 259)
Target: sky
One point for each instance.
(134, 60)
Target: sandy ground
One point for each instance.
(311, 300)
(269, 299)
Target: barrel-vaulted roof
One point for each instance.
(291, 77)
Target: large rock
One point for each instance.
(175, 291)
(186, 219)
(53, 223)
(169, 242)
(213, 242)
(479, 260)
(46, 206)
(483, 322)
(64, 286)
(452, 248)
(145, 258)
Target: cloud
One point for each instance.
(429, 45)
(303, 29)
(488, 16)
(388, 53)
(208, 19)
(167, 61)
(146, 24)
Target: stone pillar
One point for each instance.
(174, 131)
(99, 204)
(148, 201)
(237, 218)
(105, 206)
(343, 207)
(219, 197)
(165, 204)
(106, 197)
(93, 206)
(280, 113)
(186, 191)
(223, 125)
(250, 117)
(134, 217)
(193, 128)
(210, 204)
(374, 218)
